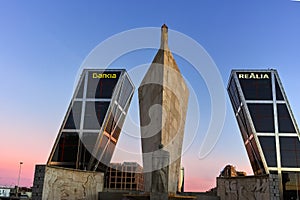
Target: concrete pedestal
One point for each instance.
(159, 196)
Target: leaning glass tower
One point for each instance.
(93, 122)
(268, 127)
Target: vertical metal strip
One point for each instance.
(80, 133)
(277, 143)
(83, 104)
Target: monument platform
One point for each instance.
(147, 197)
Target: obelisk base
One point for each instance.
(159, 196)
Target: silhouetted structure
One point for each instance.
(230, 171)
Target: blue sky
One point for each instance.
(43, 44)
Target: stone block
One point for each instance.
(60, 183)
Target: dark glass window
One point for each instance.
(100, 85)
(118, 127)
(117, 132)
(243, 118)
(80, 90)
(234, 95)
(67, 148)
(247, 121)
(290, 151)
(242, 128)
(88, 141)
(291, 185)
(110, 124)
(262, 116)
(73, 120)
(269, 149)
(244, 124)
(279, 95)
(125, 92)
(256, 86)
(284, 119)
(94, 114)
(112, 119)
(258, 157)
(253, 160)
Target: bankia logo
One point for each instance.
(104, 75)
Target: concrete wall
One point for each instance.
(248, 187)
(60, 183)
(38, 182)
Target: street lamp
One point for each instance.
(19, 178)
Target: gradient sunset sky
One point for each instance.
(43, 45)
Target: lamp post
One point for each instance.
(19, 178)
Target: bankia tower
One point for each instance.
(93, 122)
(268, 127)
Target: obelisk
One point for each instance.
(163, 100)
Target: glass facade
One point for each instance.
(267, 126)
(94, 120)
(261, 89)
